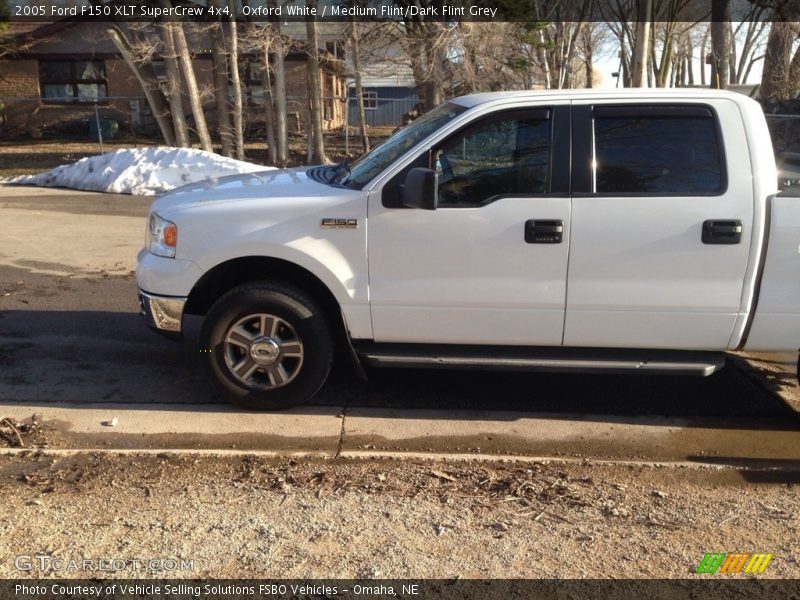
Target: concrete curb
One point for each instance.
(332, 432)
(395, 456)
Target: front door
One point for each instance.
(489, 265)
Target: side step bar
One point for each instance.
(575, 360)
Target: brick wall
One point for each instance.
(27, 116)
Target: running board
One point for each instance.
(574, 360)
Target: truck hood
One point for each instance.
(258, 186)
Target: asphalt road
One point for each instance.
(70, 334)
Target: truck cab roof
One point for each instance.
(626, 94)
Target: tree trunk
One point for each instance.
(149, 82)
(548, 81)
(435, 50)
(281, 118)
(238, 124)
(191, 87)
(173, 85)
(422, 62)
(641, 43)
(733, 71)
(720, 43)
(794, 74)
(359, 90)
(316, 143)
(220, 77)
(269, 109)
(777, 62)
(703, 55)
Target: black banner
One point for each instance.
(713, 587)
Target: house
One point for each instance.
(65, 75)
(386, 100)
(387, 84)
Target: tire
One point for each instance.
(267, 345)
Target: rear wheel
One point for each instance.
(267, 345)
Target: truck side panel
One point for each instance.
(776, 325)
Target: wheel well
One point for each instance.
(232, 273)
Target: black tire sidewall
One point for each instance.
(292, 306)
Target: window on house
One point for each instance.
(73, 80)
(250, 73)
(159, 69)
(370, 100)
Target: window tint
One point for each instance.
(501, 156)
(650, 154)
(371, 164)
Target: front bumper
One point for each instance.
(162, 313)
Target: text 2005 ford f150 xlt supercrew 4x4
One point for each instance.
(608, 231)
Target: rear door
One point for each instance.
(661, 225)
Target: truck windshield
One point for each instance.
(375, 161)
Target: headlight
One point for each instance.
(162, 236)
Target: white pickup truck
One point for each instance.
(625, 231)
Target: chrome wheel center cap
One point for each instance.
(264, 350)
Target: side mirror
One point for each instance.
(421, 189)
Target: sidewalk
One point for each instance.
(391, 433)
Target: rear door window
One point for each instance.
(657, 151)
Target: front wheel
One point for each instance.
(267, 345)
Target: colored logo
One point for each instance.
(723, 562)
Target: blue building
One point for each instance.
(384, 105)
(387, 82)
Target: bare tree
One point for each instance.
(704, 54)
(187, 67)
(616, 16)
(641, 43)
(316, 143)
(258, 39)
(751, 31)
(673, 20)
(173, 85)
(781, 74)
(279, 92)
(720, 43)
(355, 51)
(149, 82)
(220, 77)
(269, 108)
(425, 44)
(236, 83)
(592, 43)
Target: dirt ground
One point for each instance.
(258, 517)
(26, 157)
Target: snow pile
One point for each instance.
(140, 171)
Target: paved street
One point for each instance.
(71, 338)
(651, 472)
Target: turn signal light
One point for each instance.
(171, 236)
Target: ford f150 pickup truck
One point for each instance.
(624, 231)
